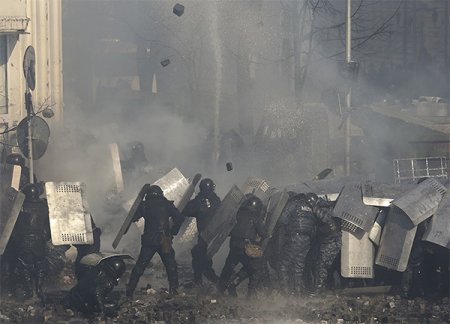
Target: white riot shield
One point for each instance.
(422, 201)
(11, 202)
(173, 184)
(350, 208)
(382, 194)
(438, 231)
(258, 187)
(70, 220)
(396, 240)
(357, 254)
(117, 167)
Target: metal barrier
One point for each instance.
(410, 170)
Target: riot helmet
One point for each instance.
(155, 190)
(115, 267)
(207, 185)
(15, 159)
(312, 199)
(253, 203)
(31, 192)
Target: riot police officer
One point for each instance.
(90, 293)
(328, 239)
(157, 212)
(246, 231)
(203, 207)
(300, 226)
(30, 235)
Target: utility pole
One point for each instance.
(349, 93)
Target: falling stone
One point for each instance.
(165, 62)
(178, 9)
(229, 166)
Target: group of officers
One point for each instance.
(305, 219)
(300, 250)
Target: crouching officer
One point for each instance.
(158, 213)
(89, 296)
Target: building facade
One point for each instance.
(24, 23)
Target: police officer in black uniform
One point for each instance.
(328, 239)
(30, 235)
(300, 226)
(202, 207)
(89, 296)
(157, 212)
(246, 231)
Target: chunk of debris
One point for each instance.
(178, 9)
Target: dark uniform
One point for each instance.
(248, 227)
(30, 235)
(90, 293)
(157, 212)
(329, 239)
(85, 249)
(300, 226)
(203, 207)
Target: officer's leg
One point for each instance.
(208, 270)
(170, 264)
(236, 280)
(197, 264)
(227, 271)
(146, 254)
(286, 260)
(327, 254)
(252, 275)
(26, 268)
(41, 271)
(302, 245)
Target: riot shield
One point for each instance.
(173, 184)
(188, 229)
(275, 207)
(438, 231)
(357, 254)
(377, 228)
(326, 188)
(94, 259)
(222, 222)
(70, 220)
(422, 201)
(132, 211)
(396, 240)
(258, 187)
(382, 194)
(11, 202)
(350, 208)
(116, 166)
(9, 176)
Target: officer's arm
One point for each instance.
(177, 219)
(190, 209)
(323, 213)
(261, 229)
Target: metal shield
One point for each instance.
(327, 188)
(70, 220)
(275, 207)
(130, 216)
(357, 254)
(351, 209)
(94, 259)
(377, 228)
(396, 240)
(223, 221)
(422, 201)
(11, 202)
(258, 187)
(382, 194)
(114, 149)
(438, 231)
(174, 185)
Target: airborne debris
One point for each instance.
(178, 9)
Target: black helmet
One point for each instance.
(155, 190)
(252, 203)
(31, 191)
(207, 185)
(115, 267)
(15, 159)
(312, 199)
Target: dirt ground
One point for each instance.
(152, 304)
